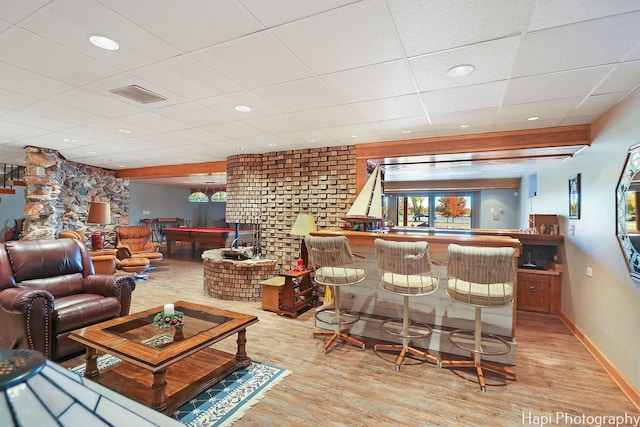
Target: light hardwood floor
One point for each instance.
(351, 387)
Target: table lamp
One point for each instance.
(99, 213)
(303, 226)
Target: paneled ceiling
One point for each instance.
(315, 73)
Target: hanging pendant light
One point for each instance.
(220, 196)
(198, 197)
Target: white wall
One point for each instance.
(605, 307)
(504, 204)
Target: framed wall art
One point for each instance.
(574, 197)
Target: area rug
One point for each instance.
(225, 402)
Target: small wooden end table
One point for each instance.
(297, 293)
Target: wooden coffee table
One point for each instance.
(164, 369)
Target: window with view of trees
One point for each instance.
(436, 210)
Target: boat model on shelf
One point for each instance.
(367, 207)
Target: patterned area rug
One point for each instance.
(225, 402)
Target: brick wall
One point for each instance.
(236, 280)
(278, 186)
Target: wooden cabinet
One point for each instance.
(539, 292)
(297, 294)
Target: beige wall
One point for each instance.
(605, 307)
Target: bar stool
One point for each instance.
(406, 269)
(483, 278)
(335, 267)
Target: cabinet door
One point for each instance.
(534, 292)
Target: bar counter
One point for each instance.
(375, 304)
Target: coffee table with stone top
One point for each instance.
(163, 367)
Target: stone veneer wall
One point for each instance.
(280, 185)
(59, 192)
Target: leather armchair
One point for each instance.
(48, 289)
(134, 241)
(104, 261)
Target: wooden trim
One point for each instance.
(625, 386)
(7, 191)
(510, 140)
(452, 184)
(173, 171)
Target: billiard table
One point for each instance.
(213, 236)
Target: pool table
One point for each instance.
(213, 236)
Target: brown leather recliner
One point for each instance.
(104, 261)
(48, 289)
(134, 241)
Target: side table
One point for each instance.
(297, 293)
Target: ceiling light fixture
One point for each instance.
(122, 130)
(406, 131)
(239, 148)
(460, 70)
(242, 108)
(104, 42)
(465, 125)
(533, 118)
(310, 141)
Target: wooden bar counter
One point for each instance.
(375, 304)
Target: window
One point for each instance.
(435, 209)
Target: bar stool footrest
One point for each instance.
(342, 317)
(395, 327)
(468, 344)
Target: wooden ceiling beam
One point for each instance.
(174, 171)
(492, 141)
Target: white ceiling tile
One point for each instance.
(28, 119)
(62, 113)
(579, 120)
(15, 11)
(578, 45)
(189, 26)
(29, 83)
(154, 121)
(597, 104)
(10, 99)
(553, 13)
(71, 22)
(104, 86)
(278, 12)
(330, 116)
(237, 60)
(352, 134)
(262, 142)
(188, 77)
(567, 84)
(373, 82)
(432, 26)
(94, 103)
(554, 109)
(390, 108)
(306, 138)
(4, 26)
(624, 77)
(464, 98)
(198, 135)
(473, 118)
(492, 61)
(193, 114)
(397, 126)
(352, 36)
(90, 133)
(225, 104)
(300, 95)
(113, 126)
(279, 123)
(40, 55)
(235, 129)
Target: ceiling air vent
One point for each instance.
(138, 93)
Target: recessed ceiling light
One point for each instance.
(406, 131)
(310, 141)
(460, 70)
(465, 125)
(91, 152)
(354, 136)
(191, 153)
(121, 130)
(104, 42)
(69, 140)
(532, 118)
(242, 108)
(239, 148)
(122, 166)
(272, 144)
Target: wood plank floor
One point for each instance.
(351, 387)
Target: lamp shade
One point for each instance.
(198, 197)
(36, 392)
(303, 226)
(99, 213)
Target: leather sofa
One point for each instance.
(48, 289)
